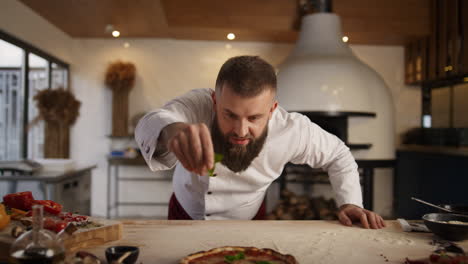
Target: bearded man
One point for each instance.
(241, 120)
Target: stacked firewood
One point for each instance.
(301, 207)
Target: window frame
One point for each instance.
(30, 49)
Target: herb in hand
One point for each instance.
(217, 158)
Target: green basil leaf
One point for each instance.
(229, 259)
(238, 256)
(217, 158)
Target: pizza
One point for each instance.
(239, 255)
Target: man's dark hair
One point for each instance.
(247, 75)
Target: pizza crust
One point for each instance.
(287, 259)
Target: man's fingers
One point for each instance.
(344, 219)
(175, 148)
(363, 218)
(196, 147)
(207, 144)
(185, 149)
(372, 219)
(382, 221)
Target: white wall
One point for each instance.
(167, 68)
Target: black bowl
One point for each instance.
(455, 232)
(114, 253)
(456, 208)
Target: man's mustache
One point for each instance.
(239, 138)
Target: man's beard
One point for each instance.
(237, 157)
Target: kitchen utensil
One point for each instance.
(439, 225)
(433, 205)
(456, 208)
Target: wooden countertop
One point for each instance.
(458, 151)
(166, 242)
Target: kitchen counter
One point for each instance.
(311, 242)
(447, 150)
(435, 174)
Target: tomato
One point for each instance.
(20, 200)
(59, 226)
(80, 218)
(50, 206)
(52, 225)
(69, 217)
(65, 215)
(49, 223)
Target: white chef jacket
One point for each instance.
(292, 137)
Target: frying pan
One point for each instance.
(455, 232)
(456, 208)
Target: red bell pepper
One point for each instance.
(53, 225)
(20, 200)
(49, 206)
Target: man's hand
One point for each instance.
(349, 213)
(191, 144)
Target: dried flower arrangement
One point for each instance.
(120, 78)
(59, 109)
(57, 105)
(120, 75)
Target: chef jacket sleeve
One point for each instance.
(320, 149)
(193, 107)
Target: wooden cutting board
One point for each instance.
(89, 237)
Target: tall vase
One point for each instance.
(57, 140)
(120, 112)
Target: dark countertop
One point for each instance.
(48, 176)
(447, 150)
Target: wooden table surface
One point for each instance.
(311, 242)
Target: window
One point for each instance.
(24, 71)
(11, 101)
(38, 80)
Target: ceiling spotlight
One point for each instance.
(345, 39)
(126, 45)
(231, 36)
(115, 33)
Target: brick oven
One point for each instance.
(325, 81)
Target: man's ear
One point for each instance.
(213, 97)
(272, 109)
